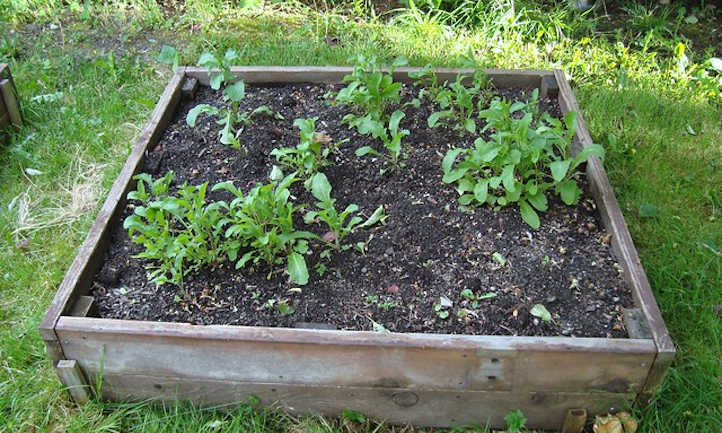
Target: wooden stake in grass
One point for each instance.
(574, 421)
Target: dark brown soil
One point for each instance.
(428, 249)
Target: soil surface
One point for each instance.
(428, 250)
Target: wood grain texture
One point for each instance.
(622, 242)
(74, 380)
(10, 100)
(350, 358)
(10, 104)
(77, 280)
(439, 408)
(4, 116)
(334, 74)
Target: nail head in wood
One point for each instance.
(574, 421)
(74, 380)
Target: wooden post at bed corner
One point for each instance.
(74, 380)
(9, 101)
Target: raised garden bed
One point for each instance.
(430, 370)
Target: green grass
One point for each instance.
(660, 125)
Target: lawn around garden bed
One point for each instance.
(427, 252)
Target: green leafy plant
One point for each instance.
(180, 233)
(260, 227)
(338, 225)
(515, 421)
(309, 155)
(383, 305)
(391, 137)
(427, 82)
(458, 102)
(441, 311)
(540, 311)
(219, 71)
(474, 298)
(370, 89)
(526, 156)
(169, 56)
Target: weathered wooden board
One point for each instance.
(454, 379)
(303, 356)
(74, 379)
(440, 408)
(334, 74)
(9, 104)
(622, 244)
(78, 278)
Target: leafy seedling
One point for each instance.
(515, 421)
(540, 311)
(309, 155)
(471, 296)
(369, 89)
(260, 225)
(285, 309)
(180, 232)
(169, 56)
(340, 224)
(440, 311)
(391, 137)
(527, 156)
(499, 259)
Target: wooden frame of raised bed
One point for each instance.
(423, 379)
(9, 106)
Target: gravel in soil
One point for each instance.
(428, 251)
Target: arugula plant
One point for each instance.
(337, 222)
(259, 227)
(370, 90)
(169, 55)
(427, 82)
(180, 232)
(391, 137)
(230, 118)
(526, 157)
(309, 155)
(459, 102)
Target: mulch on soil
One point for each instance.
(428, 249)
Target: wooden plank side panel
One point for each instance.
(4, 116)
(622, 243)
(304, 356)
(334, 74)
(77, 280)
(395, 405)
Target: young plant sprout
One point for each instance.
(527, 156)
